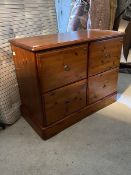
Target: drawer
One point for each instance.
(61, 67)
(64, 101)
(104, 55)
(102, 85)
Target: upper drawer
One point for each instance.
(60, 67)
(104, 55)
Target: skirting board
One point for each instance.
(49, 131)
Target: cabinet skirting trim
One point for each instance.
(49, 131)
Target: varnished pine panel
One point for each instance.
(61, 85)
(45, 42)
(48, 132)
(61, 67)
(104, 55)
(102, 85)
(64, 101)
(26, 72)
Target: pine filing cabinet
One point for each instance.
(65, 77)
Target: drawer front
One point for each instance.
(64, 101)
(102, 85)
(63, 66)
(104, 55)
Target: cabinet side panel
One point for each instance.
(26, 72)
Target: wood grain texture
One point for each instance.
(100, 14)
(26, 72)
(102, 85)
(104, 55)
(64, 101)
(64, 123)
(60, 67)
(61, 85)
(44, 42)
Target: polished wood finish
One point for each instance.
(70, 66)
(64, 101)
(62, 82)
(53, 129)
(104, 55)
(102, 85)
(25, 66)
(44, 42)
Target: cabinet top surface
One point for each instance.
(43, 42)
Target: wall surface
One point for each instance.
(19, 18)
(63, 8)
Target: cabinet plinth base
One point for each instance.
(50, 131)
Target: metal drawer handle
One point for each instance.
(107, 55)
(104, 86)
(66, 68)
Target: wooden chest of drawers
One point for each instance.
(65, 77)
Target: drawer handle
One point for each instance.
(66, 68)
(107, 55)
(104, 86)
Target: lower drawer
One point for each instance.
(64, 101)
(102, 85)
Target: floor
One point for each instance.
(98, 145)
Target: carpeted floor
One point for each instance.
(98, 145)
